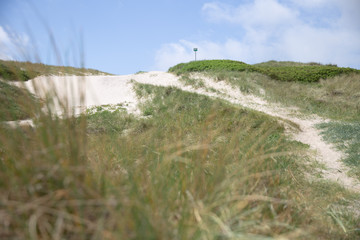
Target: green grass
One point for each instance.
(244, 81)
(140, 72)
(273, 63)
(108, 119)
(336, 98)
(189, 167)
(210, 65)
(15, 103)
(195, 82)
(304, 73)
(23, 71)
(279, 71)
(45, 184)
(346, 136)
(180, 167)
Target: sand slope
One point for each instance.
(102, 90)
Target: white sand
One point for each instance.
(83, 92)
(102, 90)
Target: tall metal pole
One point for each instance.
(195, 50)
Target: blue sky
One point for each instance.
(126, 36)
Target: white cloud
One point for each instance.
(260, 13)
(171, 54)
(4, 37)
(322, 45)
(13, 46)
(310, 3)
(350, 18)
(273, 30)
(348, 9)
(218, 12)
(182, 51)
(4, 41)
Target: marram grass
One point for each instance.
(192, 168)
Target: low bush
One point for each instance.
(283, 71)
(304, 73)
(211, 65)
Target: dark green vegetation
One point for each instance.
(23, 71)
(15, 103)
(211, 65)
(275, 70)
(273, 63)
(304, 73)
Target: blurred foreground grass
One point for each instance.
(190, 167)
(194, 168)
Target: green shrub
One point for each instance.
(273, 63)
(211, 65)
(283, 71)
(304, 73)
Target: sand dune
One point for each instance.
(83, 92)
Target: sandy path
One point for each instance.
(325, 153)
(103, 90)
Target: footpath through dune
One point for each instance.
(326, 153)
(103, 90)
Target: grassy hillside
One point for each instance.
(283, 71)
(189, 167)
(15, 103)
(325, 90)
(23, 71)
(336, 98)
(273, 63)
(13, 99)
(211, 65)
